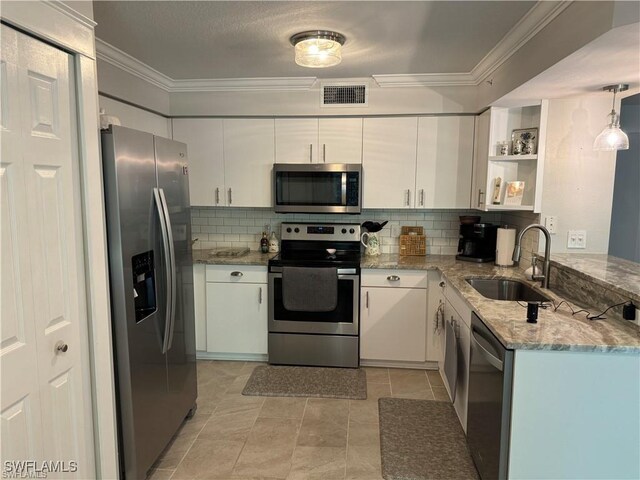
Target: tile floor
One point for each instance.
(239, 438)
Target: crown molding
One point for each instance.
(116, 57)
(243, 84)
(71, 13)
(540, 15)
(424, 80)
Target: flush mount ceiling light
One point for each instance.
(612, 137)
(318, 48)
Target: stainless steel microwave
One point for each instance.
(317, 188)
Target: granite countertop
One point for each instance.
(252, 258)
(613, 273)
(507, 320)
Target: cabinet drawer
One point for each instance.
(394, 278)
(243, 273)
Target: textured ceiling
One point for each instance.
(236, 39)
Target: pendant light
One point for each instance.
(612, 137)
(318, 48)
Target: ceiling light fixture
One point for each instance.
(612, 137)
(318, 48)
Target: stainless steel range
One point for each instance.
(314, 296)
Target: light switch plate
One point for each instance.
(551, 222)
(577, 239)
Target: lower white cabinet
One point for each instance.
(458, 314)
(393, 318)
(237, 311)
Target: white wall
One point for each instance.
(406, 100)
(578, 181)
(137, 118)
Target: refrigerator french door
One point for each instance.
(151, 280)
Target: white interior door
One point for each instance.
(45, 404)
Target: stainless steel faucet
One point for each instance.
(517, 253)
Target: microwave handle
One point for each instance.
(344, 188)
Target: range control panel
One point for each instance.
(344, 232)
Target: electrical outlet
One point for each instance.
(577, 239)
(550, 222)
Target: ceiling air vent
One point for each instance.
(344, 95)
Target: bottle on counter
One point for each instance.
(264, 243)
(274, 244)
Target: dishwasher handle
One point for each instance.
(493, 360)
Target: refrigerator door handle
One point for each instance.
(172, 262)
(168, 272)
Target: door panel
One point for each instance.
(46, 402)
(173, 179)
(480, 161)
(340, 140)
(445, 159)
(297, 140)
(204, 137)
(389, 162)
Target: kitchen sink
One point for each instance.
(507, 290)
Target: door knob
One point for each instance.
(61, 347)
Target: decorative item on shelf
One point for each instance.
(514, 193)
(525, 141)
(264, 243)
(274, 244)
(413, 241)
(612, 137)
(497, 190)
(503, 148)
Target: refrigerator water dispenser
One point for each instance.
(144, 285)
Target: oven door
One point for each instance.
(317, 188)
(344, 320)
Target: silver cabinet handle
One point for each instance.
(480, 194)
(393, 278)
(260, 296)
(366, 300)
(230, 197)
(310, 152)
(217, 196)
(408, 197)
(324, 153)
(236, 274)
(422, 197)
(61, 347)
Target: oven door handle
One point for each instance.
(342, 272)
(493, 360)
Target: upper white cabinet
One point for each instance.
(495, 127)
(297, 140)
(318, 140)
(340, 140)
(248, 162)
(204, 137)
(389, 149)
(444, 164)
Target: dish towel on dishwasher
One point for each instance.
(309, 289)
(451, 358)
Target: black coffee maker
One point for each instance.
(477, 242)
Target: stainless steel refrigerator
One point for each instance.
(151, 279)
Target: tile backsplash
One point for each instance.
(243, 227)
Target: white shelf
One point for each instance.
(512, 158)
(527, 208)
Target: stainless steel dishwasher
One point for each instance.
(489, 407)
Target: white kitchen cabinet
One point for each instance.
(393, 316)
(444, 162)
(200, 306)
(204, 139)
(340, 140)
(457, 313)
(248, 161)
(236, 311)
(389, 162)
(480, 159)
(296, 140)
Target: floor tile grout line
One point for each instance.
(346, 450)
(295, 445)
(429, 383)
